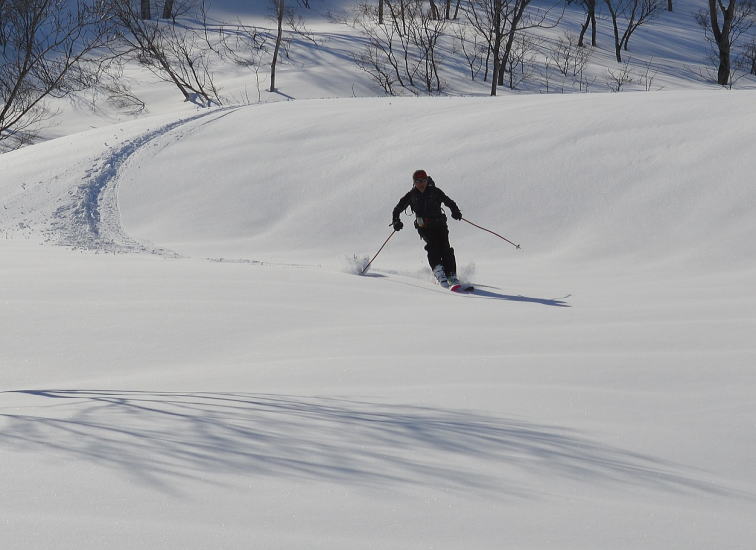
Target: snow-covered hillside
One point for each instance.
(670, 53)
(229, 382)
(189, 359)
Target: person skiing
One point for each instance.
(425, 200)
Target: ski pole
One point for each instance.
(517, 246)
(379, 251)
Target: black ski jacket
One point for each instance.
(426, 205)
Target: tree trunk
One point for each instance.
(505, 55)
(456, 9)
(583, 29)
(725, 66)
(498, 38)
(145, 13)
(434, 10)
(168, 9)
(615, 27)
(495, 75)
(516, 18)
(590, 19)
(669, 5)
(722, 36)
(617, 48)
(488, 63)
(279, 16)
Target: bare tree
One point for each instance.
(519, 61)
(373, 62)
(568, 57)
(379, 58)
(402, 14)
(723, 23)
(45, 48)
(489, 19)
(648, 76)
(175, 54)
(427, 29)
(635, 13)
(282, 13)
(498, 22)
(472, 48)
(403, 52)
(521, 21)
(245, 46)
(618, 78)
(515, 17)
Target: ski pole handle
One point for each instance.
(517, 246)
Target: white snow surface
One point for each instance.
(189, 360)
(230, 382)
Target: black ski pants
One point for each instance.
(436, 237)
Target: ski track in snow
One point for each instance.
(91, 220)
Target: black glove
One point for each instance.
(397, 225)
(457, 215)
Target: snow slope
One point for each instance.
(229, 382)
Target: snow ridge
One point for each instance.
(91, 220)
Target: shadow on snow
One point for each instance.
(519, 298)
(160, 438)
(489, 294)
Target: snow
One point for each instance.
(190, 361)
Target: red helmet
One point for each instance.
(419, 175)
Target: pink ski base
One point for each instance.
(460, 288)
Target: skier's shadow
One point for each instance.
(479, 291)
(488, 292)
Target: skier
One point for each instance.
(425, 200)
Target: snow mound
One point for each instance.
(645, 177)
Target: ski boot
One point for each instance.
(454, 283)
(440, 275)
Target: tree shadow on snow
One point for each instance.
(160, 438)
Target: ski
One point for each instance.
(462, 288)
